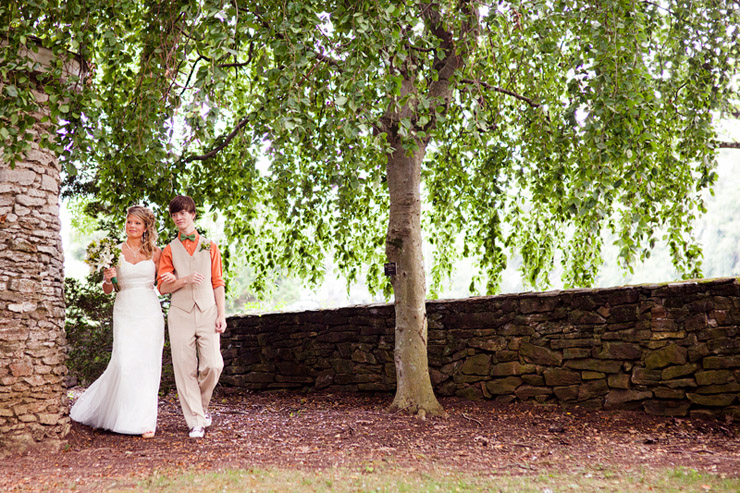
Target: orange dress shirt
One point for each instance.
(166, 265)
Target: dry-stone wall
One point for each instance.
(667, 349)
(33, 404)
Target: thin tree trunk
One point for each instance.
(403, 245)
(414, 391)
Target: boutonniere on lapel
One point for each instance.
(205, 245)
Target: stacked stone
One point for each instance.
(348, 349)
(33, 403)
(666, 349)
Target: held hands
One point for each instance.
(109, 274)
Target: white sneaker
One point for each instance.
(197, 432)
(209, 420)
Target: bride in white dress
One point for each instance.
(124, 399)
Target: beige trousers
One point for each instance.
(196, 359)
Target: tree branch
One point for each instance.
(221, 146)
(188, 35)
(452, 58)
(488, 86)
(423, 50)
(235, 65)
(326, 59)
(250, 54)
(195, 64)
(728, 145)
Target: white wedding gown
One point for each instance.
(124, 398)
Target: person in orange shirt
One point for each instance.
(190, 268)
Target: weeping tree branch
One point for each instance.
(250, 54)
(453, 58)
(488, 86)
(192, 70)
(728, 145)
(326, 59)
(225, 141)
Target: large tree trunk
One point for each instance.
(404, 248)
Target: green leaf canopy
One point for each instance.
(545, 123)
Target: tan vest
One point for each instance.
(192, 295)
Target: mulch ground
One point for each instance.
(325, 430)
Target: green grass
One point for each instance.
(371, 478)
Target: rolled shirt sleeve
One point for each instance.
(166, 265)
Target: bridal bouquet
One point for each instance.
(103, 254)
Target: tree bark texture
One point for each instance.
(414, 391)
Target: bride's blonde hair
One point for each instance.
(149, 238)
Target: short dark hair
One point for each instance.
(182, 203)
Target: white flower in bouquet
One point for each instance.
(103, 254)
